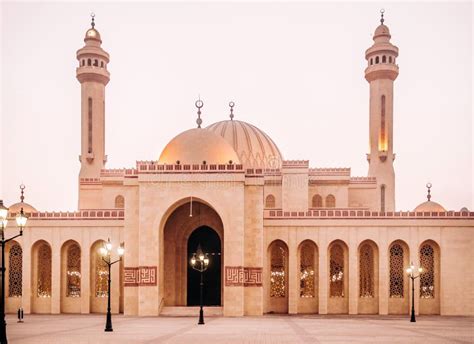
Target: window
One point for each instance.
(427, 276)
(83, 62)
(270, 201)
(317, 201)
(119, 202)
(278, 269)
(336, 271)
(89, 62)
(382, 198)
(44, 271)
(376, 60)
(371, 61)
(15, 270)
(330, 201)
(102, 64)
(73, 272)
(101, 276)
(390, 59)
(96, 63)
(89, 126)
(307, 270)
(366, 271)
(384, 59)
(396, 271)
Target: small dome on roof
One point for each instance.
(382, 30)
(430, 206)
(16, 208)
(197, 145)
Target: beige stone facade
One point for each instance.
(286, 237)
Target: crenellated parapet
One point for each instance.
(85, 214)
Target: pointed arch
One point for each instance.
(399, 260)
(308, 277)
(429, 261)
(338, 269)
(278, 277)
(15, 268)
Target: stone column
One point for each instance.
(353, 272)
(384, 272)
(85, 272)
(323, 271)
(56, 273)
(25, 242)
(293, 285)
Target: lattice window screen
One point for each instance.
(15, 272)
(44, 271)
(73, 271)
(366, 271)
(307, 270)
(101, 277)
(427, 277)
(336, 271)
(396, 271)
(278, 270)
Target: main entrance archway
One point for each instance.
(209, 241)
(186, 227)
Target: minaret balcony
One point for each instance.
(92, 73)
(381, 71)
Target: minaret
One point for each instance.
(381, 72)
(93, 75)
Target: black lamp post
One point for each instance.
(411, 274)
(21, 219)
(200, 262)
(106, 251)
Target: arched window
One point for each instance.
(89, 62)
(390, 59)
(101, 276)
(278, 269)
(44, 271)
(15, 270)
(317, 201)
(427, 276)
(376, 60)
(384, 59)
(382, 198)
(96, 63)
(102, 64)
(270, 201)
(308, 270)
(366, 271)
(396, 271)
(119, 202)
(336, 271)
(89, 125)
(73, 271)
(330, 201)
(371, 61)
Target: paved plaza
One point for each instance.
(266, 329)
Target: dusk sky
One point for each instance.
(295, 70)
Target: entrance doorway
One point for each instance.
(210, 243)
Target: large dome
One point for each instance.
(430, 206)
(195, 146)
(254, 148)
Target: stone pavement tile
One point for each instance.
(278, 329)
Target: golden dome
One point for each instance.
(430, 206)
(254, 148)
(92, 34)
(197, 145)
(16, 208)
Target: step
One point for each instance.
(193, 311)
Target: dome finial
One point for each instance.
(22, 188)
(382, 11)
(428, 186)
(92, 18)
(199, 104)
(231, 105)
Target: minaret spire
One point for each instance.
(231, 105)
(199, 104)
(92, 19)
(381, 73)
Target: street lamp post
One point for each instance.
(105, 251)
(411, 274)
(21, 219)
(200, 262)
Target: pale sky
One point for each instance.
(295, 70)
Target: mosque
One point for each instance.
(281, 236)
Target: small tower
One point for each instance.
(381, 72)
(93, 75)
